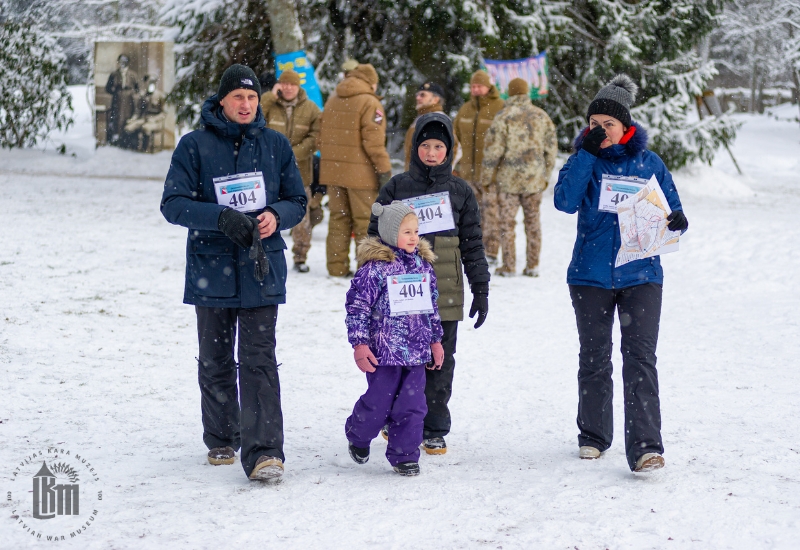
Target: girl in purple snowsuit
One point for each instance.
(394, 327)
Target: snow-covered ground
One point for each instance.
(97, 356)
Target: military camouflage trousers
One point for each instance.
(487, 200)
(301, 233)
(508, 205)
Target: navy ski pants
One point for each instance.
(250, 417)
(639, 309)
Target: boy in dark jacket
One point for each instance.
(450, 221)
(394, 328)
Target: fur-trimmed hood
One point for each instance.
(372, 248)
(636, 144)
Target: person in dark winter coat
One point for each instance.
(394, 327)
(614, 144)
(235, 185)
(458, 245)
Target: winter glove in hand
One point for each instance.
(480, 303)
(383, 179)
(365, 360)
(437, 351)
(592, 141)
(237, 227)
(677, 221)
(257, 253)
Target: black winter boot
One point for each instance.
(407, 469)
(358, 454)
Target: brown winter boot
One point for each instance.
(221, 455)
(267, 468)
(649, 461)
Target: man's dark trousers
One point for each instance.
(639, 309)
(254, 420)
(439, 386)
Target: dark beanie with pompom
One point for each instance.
(615, 99)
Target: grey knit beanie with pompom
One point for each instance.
(390, 216)
(615, 99)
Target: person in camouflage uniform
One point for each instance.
(520, 152)
(289, 111)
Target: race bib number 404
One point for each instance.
(242, 192)
(409, 294)
(615, 189)
(433, 211)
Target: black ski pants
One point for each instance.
(251, 416)
(639, 309)
(439, 386)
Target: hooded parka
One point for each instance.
(461, 245)
(598, 240)
(352, 139)
(218, 272)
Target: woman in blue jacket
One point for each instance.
(613, 144)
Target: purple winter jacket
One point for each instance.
(398, 341)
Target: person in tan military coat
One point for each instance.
(354, 161)
(470, 125)
(290, 112)
(519, 154)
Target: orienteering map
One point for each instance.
(643, 225)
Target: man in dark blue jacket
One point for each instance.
(235, 185)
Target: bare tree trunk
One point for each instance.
(753, 78)
(284, 26)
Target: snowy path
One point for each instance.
(96, 355)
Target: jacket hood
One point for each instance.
(352, 85)
(419, 168)
(211, 117)
(635, 145)
(374, 249)
(518, 100)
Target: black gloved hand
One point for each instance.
(677, 221)
(592, 141)
(257, 253)
(384, 178)
(237, 227)
(480, 303)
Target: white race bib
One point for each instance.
(615, 189)
(409, 294)
(433, 211)
(242, 192)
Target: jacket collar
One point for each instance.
(418, 169)
(374, 249)
(635, 145)
(212, 118)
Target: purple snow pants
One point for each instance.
(394, 396)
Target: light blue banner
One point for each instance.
(298, 62)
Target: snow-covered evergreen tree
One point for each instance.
(210, 35)
(760, 40)
(76, 24)
(654, 42)
(34, 99)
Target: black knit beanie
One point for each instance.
(434, 130)
(615, 99)
(236, 77)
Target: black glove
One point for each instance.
(480, 303)
(237, 227)
(257, 253)
(677, 221)
(592, 141)
(384, 178)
